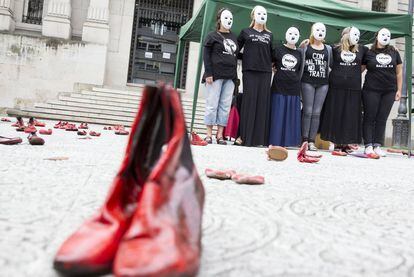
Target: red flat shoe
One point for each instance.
(248, 180)
(30, 129)
(37, 123)
(47, 132)
(71, 127)
(372, 156)
(219, 174)
(164, 238)
(35, 140)
(10, 141)
(82, 133)
(304, 157)
(4, 119)
(94, 134)
(277, 153)
(339, 153)
(197, 140)
(83, 125)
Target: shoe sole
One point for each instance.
(67, 270)
(278, 154)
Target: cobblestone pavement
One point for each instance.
(342, 217)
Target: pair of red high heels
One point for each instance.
(150, 223)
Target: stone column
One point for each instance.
(7, 22)
(56, 23)
(96, 27)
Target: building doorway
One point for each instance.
(154, 42)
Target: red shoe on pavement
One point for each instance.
(71, 127)
(304, 157)
(248, 180)
(30, 129)
(120, 130)
(155, 198)
(19, 123)
(94, 134)
(82, 133)
(339, 153)
(47, 132)
(219, 174)
(197, 140)
(35, 140)
(4, 119)
(38, 123)
(83, 125)
(57, 125)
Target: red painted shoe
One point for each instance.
(57, 125)
(94, 134)
(71, 127)
(4, 119)
(164, 238)
(372, 156)
(30, 129)
(82, 133)
(10, 141)
(248, 180)
(19, 123)
(219, 174)
(92, 248)
(35, 140)
(39, 124)
(83, 125)
(304, 157)
(339, 153)
(47, 132)
(197, 140)
(121, 132)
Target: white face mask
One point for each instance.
(354, 35)
(384, 37)
(292, 35)
(319, 31)
(260, 15)
(226, 19)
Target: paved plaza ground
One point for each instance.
(342, 217)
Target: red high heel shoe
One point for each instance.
(197, 140)
(304, 157)
(30, 126)
(164, 236)
(83, 125)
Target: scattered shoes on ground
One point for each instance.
(231, 174)
(35, 140)
(277, 153)
(47, 132)
(10, 141)
(197, 140)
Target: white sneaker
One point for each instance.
(312, 147)
(379, 151)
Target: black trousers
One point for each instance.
(377, 108)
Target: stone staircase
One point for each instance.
(103, 106)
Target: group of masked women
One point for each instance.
(316, 88)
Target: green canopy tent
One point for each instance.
(300, 13)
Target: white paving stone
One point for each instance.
(342, 217)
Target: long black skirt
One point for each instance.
(342, 117)
(255, 110)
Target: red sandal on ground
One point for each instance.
(82, 133)
(83, 125)
(37, 123)
(248, 180)
(197, 140)
(47, 132)
(304, 157)
(155, 199)
(277, 153)
(219, 174)
(94, 134)
(35, 140)
(10, 141)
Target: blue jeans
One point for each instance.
(218, 101)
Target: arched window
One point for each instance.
(32, 13)
(379, 5)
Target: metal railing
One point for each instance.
(33, 12)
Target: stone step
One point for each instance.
(54, 115)
(59, 104)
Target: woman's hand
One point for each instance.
(398, 95)
(209, 80)
(304, 43)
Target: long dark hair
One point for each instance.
(387, 49)
(218, 17)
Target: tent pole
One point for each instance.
(179, 63)
(409, 69)
(206, 21)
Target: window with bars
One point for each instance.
(32, 13)
(379, 5)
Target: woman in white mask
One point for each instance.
(342, 118)
(285, 119)
(257, 42)
(220, 63)
(315, 79)
(383, 84)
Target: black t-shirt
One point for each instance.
(258, 49)
(220, 56)
(316, 69)
(288, 62)
(382, 70)
(346, 69)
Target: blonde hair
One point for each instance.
(344, 43)
(253, 21)
(311, 37)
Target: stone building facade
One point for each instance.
(53, 46)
